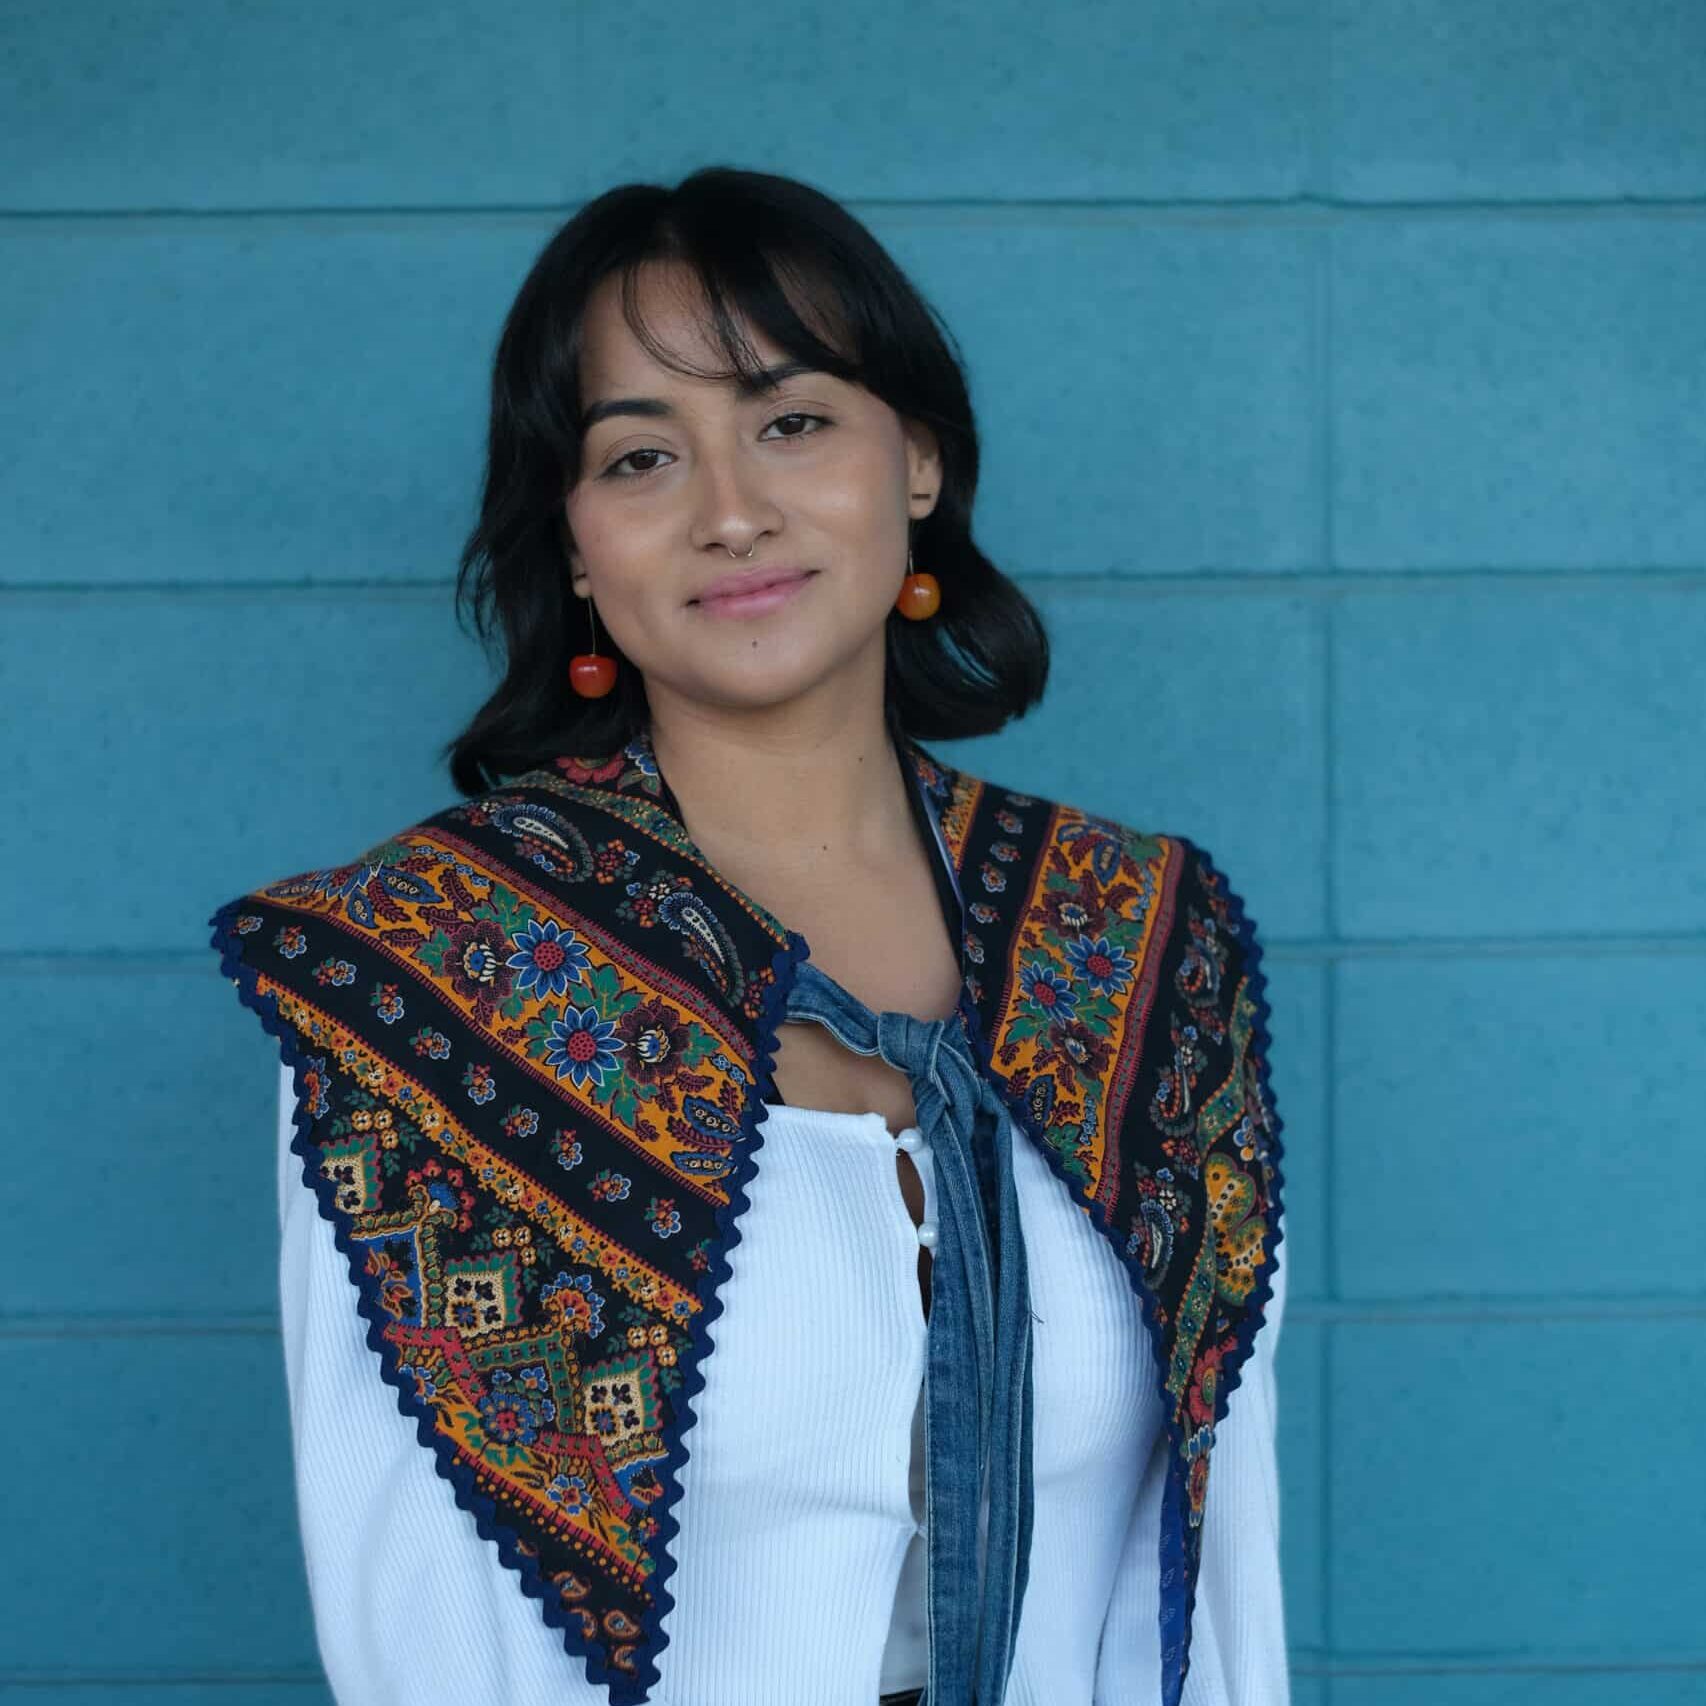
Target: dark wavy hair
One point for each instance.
(760, 244)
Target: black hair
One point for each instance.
(763, 247)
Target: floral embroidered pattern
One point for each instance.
(530, 1035)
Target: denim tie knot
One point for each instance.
(936, 1056)
(978, 1362)
(909, 1043)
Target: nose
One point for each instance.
(732, 507)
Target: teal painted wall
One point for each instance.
(1342, 365)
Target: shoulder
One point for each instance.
(1106, 845)
(1086, 873)
(539, 819)
(1160, 897)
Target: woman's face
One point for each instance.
(817, 475)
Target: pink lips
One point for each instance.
(770, 594)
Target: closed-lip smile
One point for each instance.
(748, 580)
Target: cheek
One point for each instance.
(859, 490)
(591, 524)
(615, 552)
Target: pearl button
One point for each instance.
(910, 1141)
(927, 1234)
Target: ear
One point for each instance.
(580, 582)
(923, 469)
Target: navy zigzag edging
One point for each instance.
(1177, 1596)
(783, 966)
(1172, 1559)
(1172, 1549)
(1256, 1311)
(624, 1690)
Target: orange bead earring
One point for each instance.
(920, 593)
(590, 675)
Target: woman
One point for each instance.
(931, 1457)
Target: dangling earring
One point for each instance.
(590, 675)
(920, 595)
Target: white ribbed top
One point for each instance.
(800, 1562)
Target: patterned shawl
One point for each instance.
(531, 1035)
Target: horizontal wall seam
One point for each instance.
(1421, 1310)
(50, 1683)
(1381, 1664)
(151, 962)
(1270, 211)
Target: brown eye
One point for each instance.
(797, 415)
(615, 470)
(611, 473)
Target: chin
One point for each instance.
(768, 678)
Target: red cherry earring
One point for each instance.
(590, 675)
(920, 593)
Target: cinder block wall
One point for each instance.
(1342, 365)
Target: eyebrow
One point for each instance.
(655, 408)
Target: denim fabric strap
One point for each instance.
(977, 1411)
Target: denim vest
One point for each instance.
(977, 1383)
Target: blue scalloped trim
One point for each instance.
(1178, 1596)
(784, 966)
(624, 1690)
(1172, 1524)
(1256, 1310)
(1173, 1602)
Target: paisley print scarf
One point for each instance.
(531, 1035)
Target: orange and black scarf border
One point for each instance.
(531, 1035)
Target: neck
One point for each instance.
(809, 789)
